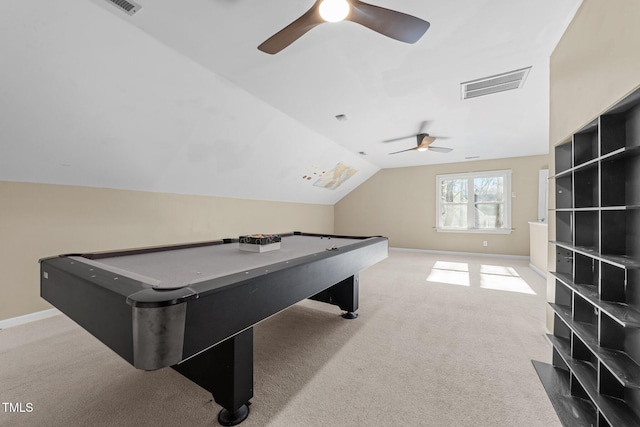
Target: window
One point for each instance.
(474, 202)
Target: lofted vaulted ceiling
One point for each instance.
(177, 97)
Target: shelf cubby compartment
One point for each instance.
(613, 283)
(620, 237)
(584, 364)
(564, 261)
(585, 187)
(632, 288)
(587, 229)
(577, 387)
(618, 356)
(561, 347)
(561, 330)
(632, 126)
(563, 156)
(564, 192)
(563, 293)
(620, 128)
(585, 144)
(587, 332)
(586, 272)
(620, 180)
(585, 315)
(609, 384)
(588, 292)
(612, 133)
(564, 227)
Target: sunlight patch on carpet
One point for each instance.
(502, 278)
(451, 273)
(494, 277)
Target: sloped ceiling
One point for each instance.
(178, 99)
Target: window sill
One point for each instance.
(475, 230)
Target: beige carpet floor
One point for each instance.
(442, 340)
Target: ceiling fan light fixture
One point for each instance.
(334, 10)
(422, 149)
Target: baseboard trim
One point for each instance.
(28, 318)
(541, 273)
(429, 251)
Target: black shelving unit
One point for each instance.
(594, 377)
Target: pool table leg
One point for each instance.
(226, 371)
(343, 294)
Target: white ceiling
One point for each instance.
(177, 98)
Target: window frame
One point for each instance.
(470, 176)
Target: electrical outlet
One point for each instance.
(485, 243)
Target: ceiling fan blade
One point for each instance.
(402, 151)
(423, 127)
(391, 23)
(424, 140)
(399, 139)
(440, 149)
(292, 32)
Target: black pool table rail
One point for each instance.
(177, 246)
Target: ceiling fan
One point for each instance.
(397, 25)
(424, 141)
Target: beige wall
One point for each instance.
(38, 220)
(595, 64)
(399, 203)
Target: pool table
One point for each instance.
(192, 307)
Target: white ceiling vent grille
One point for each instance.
(494, 84)
(128, 6)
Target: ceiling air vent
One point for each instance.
(128, 6)
(494, 84)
